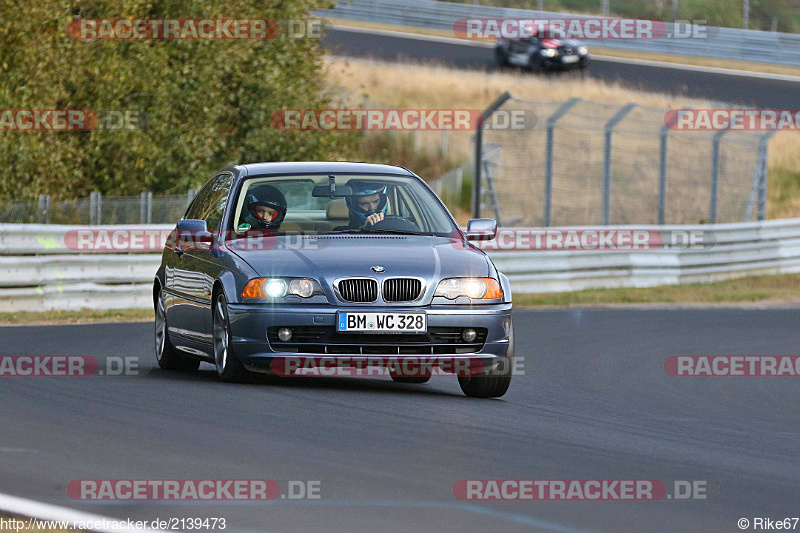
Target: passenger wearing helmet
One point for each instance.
(265, 208)
(367, 204)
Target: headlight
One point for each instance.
(280, 287)
(582, 50)
(549, 52)
(475, 288)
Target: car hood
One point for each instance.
(328, 257)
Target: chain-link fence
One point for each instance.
(98, 209)
(582, 162)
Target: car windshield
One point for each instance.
(399, 205)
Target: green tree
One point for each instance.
(204, 104)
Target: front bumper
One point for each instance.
(558, 63)
(250, 343)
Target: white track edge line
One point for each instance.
(45, 511)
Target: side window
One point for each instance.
(220, 190)
(195, 211)
(210, 202)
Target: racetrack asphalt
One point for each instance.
(769, 92)
(595, 403)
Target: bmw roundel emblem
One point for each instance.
(378, 269)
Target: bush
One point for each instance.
(207, 103)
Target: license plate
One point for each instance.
(383, 322)
(570, 59)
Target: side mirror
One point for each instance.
(481, 229)
(196, 231)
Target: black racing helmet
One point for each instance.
(268, 196)
(361, 189)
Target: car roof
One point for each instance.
(312, 167)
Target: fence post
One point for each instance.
(190, 196)
(609, 130)
(143, 208)
(712, 208)
(95, 208)
(478, 161)
(44, 208)
(662, 176)
(548, 160)
(763, 153)
(662, 170)
(146, 208)
(444, 143)
(476, 177)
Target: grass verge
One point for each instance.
(769, 289)
(86, 316)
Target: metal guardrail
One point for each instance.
(39, 271)
(726, 43)
(50, 276)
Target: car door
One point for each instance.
(204, 262)
(191, 280)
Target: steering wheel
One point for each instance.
(394, 222)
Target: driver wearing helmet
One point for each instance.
(265, 208)
(367, 204)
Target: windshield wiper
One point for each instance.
(389, 231)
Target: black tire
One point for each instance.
(492, 383)
(167, 356)
(500, 57)
(534, 65)
(229, 368)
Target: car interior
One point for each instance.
(306, 214)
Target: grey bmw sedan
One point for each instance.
(332, 268)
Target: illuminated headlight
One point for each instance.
(582, 50)
(549, 52)
(280, 287)
(475, 288)
(275, 288)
